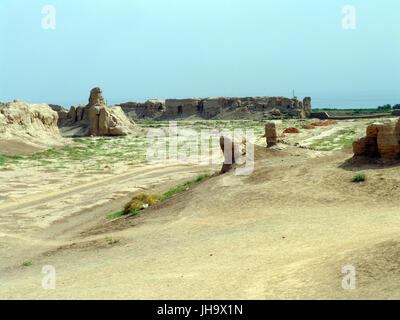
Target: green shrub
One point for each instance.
(359, 177)
(111, 240)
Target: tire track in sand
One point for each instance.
(49, 196)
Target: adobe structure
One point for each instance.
(94, 118)
(218, 107)
(382, 141)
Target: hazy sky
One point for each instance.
(141, 49)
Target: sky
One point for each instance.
(157, 49)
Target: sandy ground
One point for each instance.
(285, 231)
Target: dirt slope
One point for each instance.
(285, 231)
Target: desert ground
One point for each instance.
(283, 232)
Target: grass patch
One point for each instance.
(80, 140)
(138, 202)
(111, 240)
(115, 215)
(7, 169)
(182, 187)
(49, 153)
(322, 146)
(359, 177)
(9, 159)
(343, 139)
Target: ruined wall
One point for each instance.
(307, 106)
(149, 109)
(184, 107)
(61, 111)
(212, 107)
(98, 119)
(382, 140)
(273, 130)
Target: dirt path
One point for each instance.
(31, 200)
(40, 222)
(285, 231)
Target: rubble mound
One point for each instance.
(323, 123)
(319, 124)
(31, 126)
(291, 130)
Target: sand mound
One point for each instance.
(291, 130)
(28, 127)
(323, 123)
(319, 124)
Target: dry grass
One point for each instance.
(139, 202)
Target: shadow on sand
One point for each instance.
(363, 163)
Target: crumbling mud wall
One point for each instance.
(26, 128)
(149, 109)
(183, 107)
(61, 111)
(19, 118)
(382, 141)
(273, 130)
(213, 107)
(98, 119)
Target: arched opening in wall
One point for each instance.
(200, 107)
(179, 109)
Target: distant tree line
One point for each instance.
(389, 107)
(380, 109)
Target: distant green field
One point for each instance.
(365, 110)
(387, 108)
